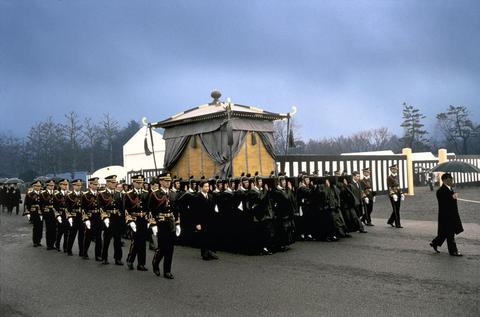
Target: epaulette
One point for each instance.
(144, 191)
(84, 193)
(130, 191)
(56, 192)
(102, 191)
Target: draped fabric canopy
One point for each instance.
(214, 139)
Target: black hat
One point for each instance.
(62, 180)
(394, 166)
(93, 179)
(366, 169)
(202, 181)
(138, 177)
(49, 181)
(112, 178)
(77, 181)
(446, 176)
(36, 182)
(165, 177)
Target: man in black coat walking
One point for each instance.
(449, 223)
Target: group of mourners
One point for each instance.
(10, 198)
(247, 214)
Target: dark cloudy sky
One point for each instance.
(346, 65)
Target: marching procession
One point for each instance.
(247, 214)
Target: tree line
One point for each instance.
(76, 144)
(85, 144)
(453, 130)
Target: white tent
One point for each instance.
(134, 157)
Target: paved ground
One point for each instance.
(387, 272)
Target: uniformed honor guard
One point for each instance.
(305, 212)
(34, 212)
(75, 217)
(135, 204)
(395, 195)
(369, 198)
(48, 212)
(60, 206)
(92, 220)
(111, 205)
(13, 198)
(166, 226)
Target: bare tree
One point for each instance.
(92, 135)
(73, 131)
(280, 135)
(457, 128)
(110, 128)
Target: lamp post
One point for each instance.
(228, 108)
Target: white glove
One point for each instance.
(41, 218)
(395, 197)
(88, 224)
(133, 225)
(154, 230)
(28, 217)
(59, 219)
(367, 200)
(403, 197)
(70, 221)
(240, 206)
(374, 198)
(300, 211)
(106, 221)
(216, 209)
(178, 230)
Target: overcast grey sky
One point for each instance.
(346, 65)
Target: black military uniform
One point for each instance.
(395, 194)
(135, 203)
(92, 219)
(34, 213)
(48, 212)
(75, 218)
(3, 197)
(166, 220)
(111, 205)
(305, 210)
(358, 199)
(61, 215)
(366, 186)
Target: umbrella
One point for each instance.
(14, 181)
(42, 178)
(2, 180)
(456, 167)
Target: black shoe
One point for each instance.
(434, 247)
(348, 235)
(369, 224)
(334, 238)
(85, 257)
(69, 253)
(213, 256)
(141, 268)
(98, 259)
(391, 224)
(156, 272)
(400, 227)
(36, 245)
(362, 231)
(206, 258)
(118, 262)
(50, 248)
(130, 265)
(168, 276)
(105, 262)
(456, 254)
